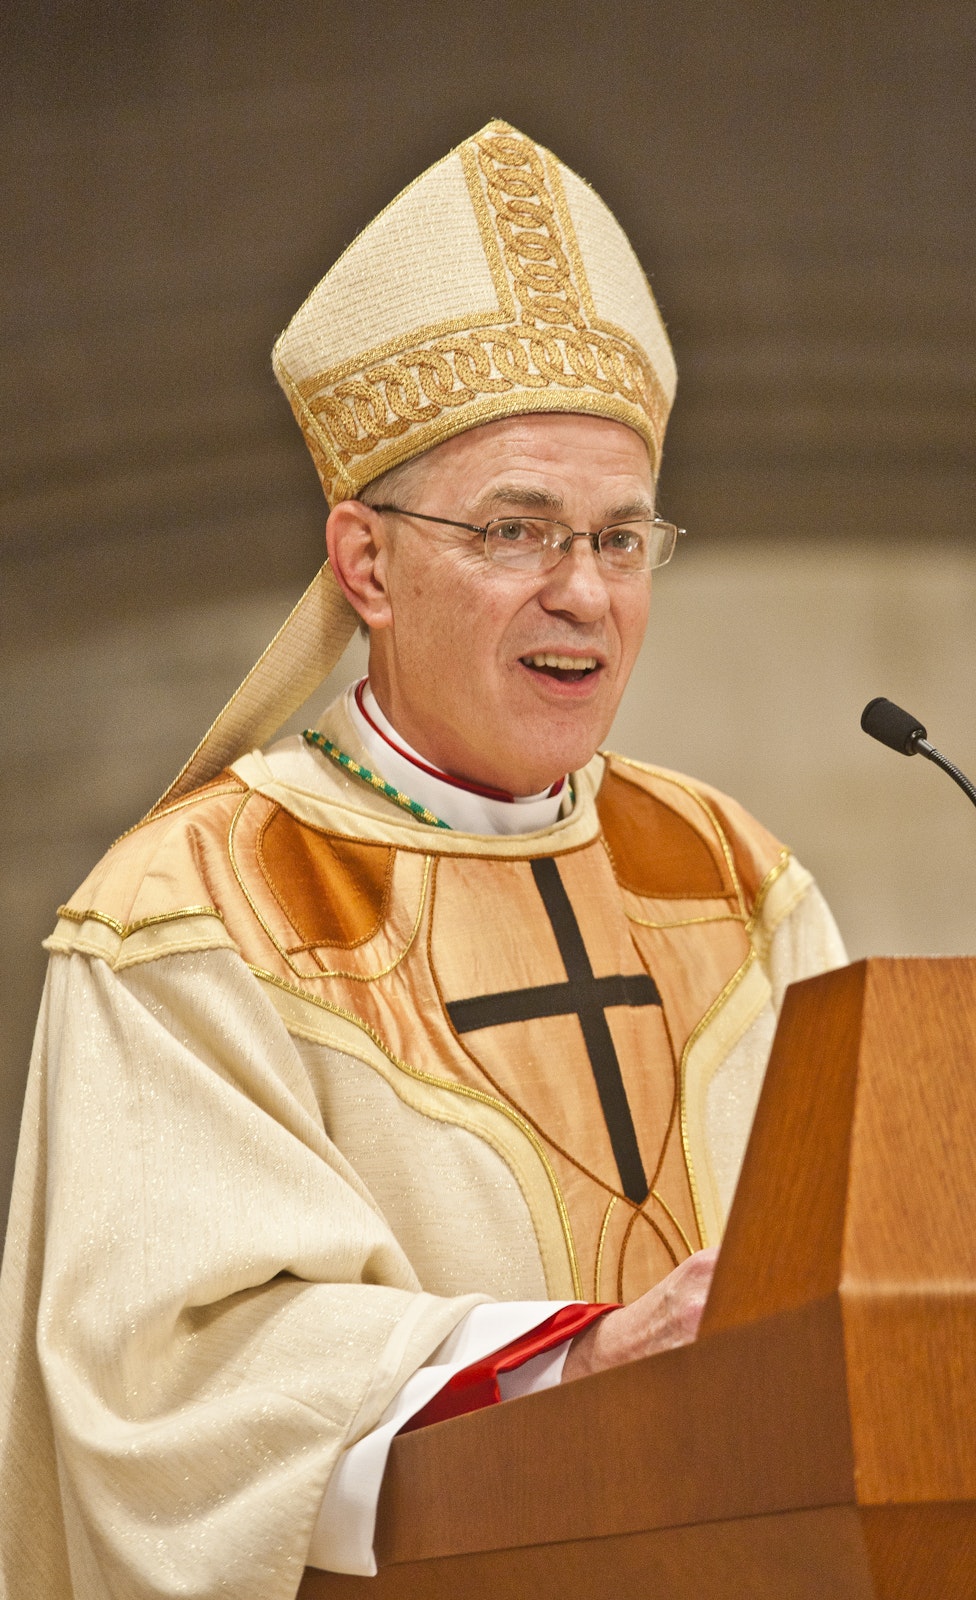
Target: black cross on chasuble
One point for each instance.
(588, 998)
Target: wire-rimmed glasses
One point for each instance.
(535, 544)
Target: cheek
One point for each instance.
(452, 615)
(632, 623)
(442, 624)
(421, 600)
(471, 615)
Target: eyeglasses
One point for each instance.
(535, 544)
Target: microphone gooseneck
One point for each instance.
(900, 731)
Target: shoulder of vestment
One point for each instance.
(196, 875)
(256, 864)
(153, 892)
(671, 837)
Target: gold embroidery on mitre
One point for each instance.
(543, 349)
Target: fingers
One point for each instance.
(674, 1319)
(662, 1319)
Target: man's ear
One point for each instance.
(358, 555)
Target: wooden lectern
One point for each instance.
(818, 1442)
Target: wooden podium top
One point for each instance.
(820, 1437)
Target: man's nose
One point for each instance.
(577, 584)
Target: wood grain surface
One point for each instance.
(753, 1420)
(806, 1555)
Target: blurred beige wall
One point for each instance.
(800, 185)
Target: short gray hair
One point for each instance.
(399, 483)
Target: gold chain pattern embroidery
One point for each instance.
(525, 220)
(551, 345)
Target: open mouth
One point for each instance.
(565, 669)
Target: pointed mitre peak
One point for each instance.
(496, 283)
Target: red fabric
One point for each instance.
(477, 1386)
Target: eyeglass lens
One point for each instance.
(533, 543)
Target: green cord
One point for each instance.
(358, 771)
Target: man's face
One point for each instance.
(458, 664)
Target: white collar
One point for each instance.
(461, 809)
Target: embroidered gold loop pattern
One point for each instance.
(394, 396)
(525, 217)
(550, 346)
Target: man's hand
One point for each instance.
(665, 1317)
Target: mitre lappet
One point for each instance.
(498, 283)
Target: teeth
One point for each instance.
(567, 663)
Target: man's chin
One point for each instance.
(538, 771)
(532, 748)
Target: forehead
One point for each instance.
(570, 457)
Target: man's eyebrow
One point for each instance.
(525, 496)
(639, 508)
(549, 503)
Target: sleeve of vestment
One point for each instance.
(223, 1307)
(807, 941)
(491, 1356)
(795, 937)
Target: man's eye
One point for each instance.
(623, 539)
(512, 532)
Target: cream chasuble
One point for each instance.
(312, 1079)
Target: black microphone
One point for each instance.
(898, 729)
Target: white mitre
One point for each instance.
(497, 283)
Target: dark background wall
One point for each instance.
(799, 184)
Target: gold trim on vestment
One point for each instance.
(462, 1089)
(762, 892)
(677, 1225)
(124, 929)
(684, 922)
(696, 1033)
(638, 1214)
(98, 938)
(602, 1241)
(192, 799)
(749, 923)
(769, 884)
